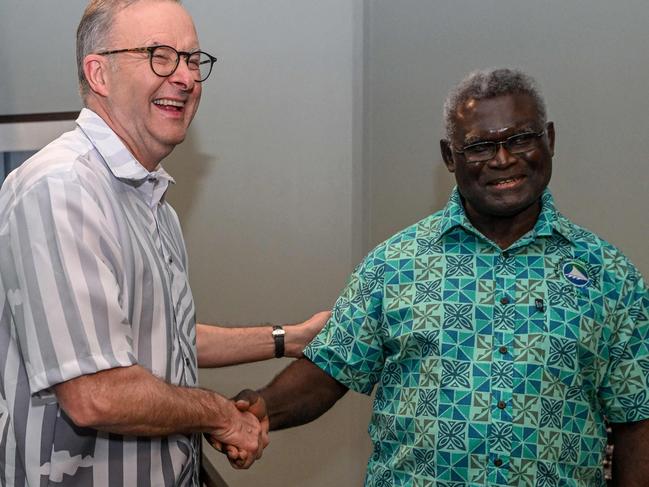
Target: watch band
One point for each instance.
(278, 335)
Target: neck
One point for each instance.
(148, 157)
(505, 230)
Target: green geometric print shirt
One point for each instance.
(492, 367)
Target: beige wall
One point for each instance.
(591, 59)
(318, 137)
(266, 193)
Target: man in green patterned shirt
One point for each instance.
(498, 333)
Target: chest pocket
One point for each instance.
(574, 351)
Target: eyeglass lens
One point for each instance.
(483, 151)
(165, 60)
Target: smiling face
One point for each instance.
(508, 185)
(149, 113)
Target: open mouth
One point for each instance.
(169, 105)
(504, 183)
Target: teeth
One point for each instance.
(166, 102)
(505, 181)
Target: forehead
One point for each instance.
(497, 116)
(152, 21)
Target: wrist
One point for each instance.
(294, 341)
(219, 410)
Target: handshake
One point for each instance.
(245, 433)
(241, 431)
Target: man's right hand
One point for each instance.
(243, 439)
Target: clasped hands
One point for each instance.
(245, 440)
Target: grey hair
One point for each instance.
(490, 83)
(94, 31)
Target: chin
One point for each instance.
(512, 209)
(173, 139)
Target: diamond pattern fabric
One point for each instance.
(491, 367)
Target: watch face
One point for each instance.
(278, 332)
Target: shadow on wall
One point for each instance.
(189, 167)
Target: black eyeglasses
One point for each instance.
(164, 60)
(486, 150)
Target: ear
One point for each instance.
(549, 128)
(447, 154)
(96, 69)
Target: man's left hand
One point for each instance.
(298, 336)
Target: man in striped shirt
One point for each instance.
(99, 347)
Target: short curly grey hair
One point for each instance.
(490, 83)
(94, 31)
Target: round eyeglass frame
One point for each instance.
(151, 49)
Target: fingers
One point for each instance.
(238, 458)
(303, 333)
(322, 316)
(241, 459)
(234, 453)
(265, 428)
(214, 443)
(246, 395)
(246, 436)
(251, 401)
(242, 405)
(318, 320)
(245, 399)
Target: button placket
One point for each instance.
(502, 377)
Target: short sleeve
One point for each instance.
(625, 391)
(350, 347)
(60, 276)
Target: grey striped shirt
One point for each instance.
(93, 273)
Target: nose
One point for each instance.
(502, 157)
(183, 76)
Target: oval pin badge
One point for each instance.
(576, 273)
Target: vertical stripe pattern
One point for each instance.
(93, 272)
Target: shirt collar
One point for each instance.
(549, 220)
(120, 161)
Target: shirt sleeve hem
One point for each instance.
(340, 375)
(41, 383)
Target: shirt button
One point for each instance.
(187, 361)
(498, 462)
(171, 261)
(504, 300)
(505, 255)
(503, 349)
(501, 405)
